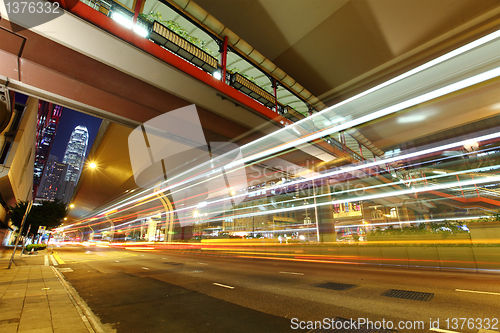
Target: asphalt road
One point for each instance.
(154, 291)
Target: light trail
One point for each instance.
(478, 292)
(339, 126)
(375, 196)
(372, 164)
(488, 168)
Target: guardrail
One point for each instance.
(246, 86)
(165, 37)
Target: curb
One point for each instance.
(90, 320)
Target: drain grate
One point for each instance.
(405, 294)
(335, 286)
(342, 325)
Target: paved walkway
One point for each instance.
(35, 298)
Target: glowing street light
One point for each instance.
(92, 165)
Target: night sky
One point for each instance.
(69, 120)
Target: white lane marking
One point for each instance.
(442, 331)
(145, 268)
(477, 292)
(202, 263)
(54, 261)
(46, 262)
(223, 285)
(67, 269)
(164, 258)
(292, 273)
(116, 260)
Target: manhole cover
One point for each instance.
(342, 325)
(335, 286)
(174, 263)
(405, 294)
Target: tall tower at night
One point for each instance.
(74, 156)
(47, 121)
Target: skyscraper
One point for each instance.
(47, 121)
(74, 155)
(52, 179)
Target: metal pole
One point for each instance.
(316, 212)
(24, 240)
(224, 59)
(28, 208)
(275, 94)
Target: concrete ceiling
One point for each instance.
(324, 44)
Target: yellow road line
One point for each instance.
(59, 260)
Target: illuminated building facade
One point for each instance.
(52, 180)
(74, 156)
(49, 115)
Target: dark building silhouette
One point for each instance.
(52, 180)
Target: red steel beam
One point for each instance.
(128, 35)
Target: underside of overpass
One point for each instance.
(333, 50)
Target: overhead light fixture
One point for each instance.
(122, 19)
(128, 23)
(141, 31)
(217, 75)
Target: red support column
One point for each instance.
(477, 191)
(224, 59)
(137, 9)
(424, 178)
(461, 189)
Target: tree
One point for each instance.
(49, 214)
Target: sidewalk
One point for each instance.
(35, 298)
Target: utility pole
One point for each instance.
(28, 208)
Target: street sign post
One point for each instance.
(28, 208)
